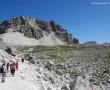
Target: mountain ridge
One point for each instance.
(34, 28)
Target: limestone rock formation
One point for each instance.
(34, 28)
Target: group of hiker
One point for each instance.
(9, 67)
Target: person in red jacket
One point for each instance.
(17, 65)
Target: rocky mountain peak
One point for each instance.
(34, 28)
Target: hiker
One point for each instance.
(3, 72)
(8, 64)
(22, 60)
(1, 68)
(17, 65)
(12, 69)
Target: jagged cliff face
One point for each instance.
(34, 28)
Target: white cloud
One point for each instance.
(99, 3)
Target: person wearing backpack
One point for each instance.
(17, 65)
(22, 60)
(8, 64)
(13, 68)
(3, 68)
(3, 71)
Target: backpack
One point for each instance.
(2, 69)
(13, 68)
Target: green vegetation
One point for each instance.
(56, 52)
(47, 48)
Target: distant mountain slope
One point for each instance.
(106, 44)
(91, 43)
(37, 30)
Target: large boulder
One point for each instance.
(59, 72)
(5, 57)
(30, 58)
(11, 50)
(49, 65)
(65, 87)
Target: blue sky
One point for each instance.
(84, 20)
